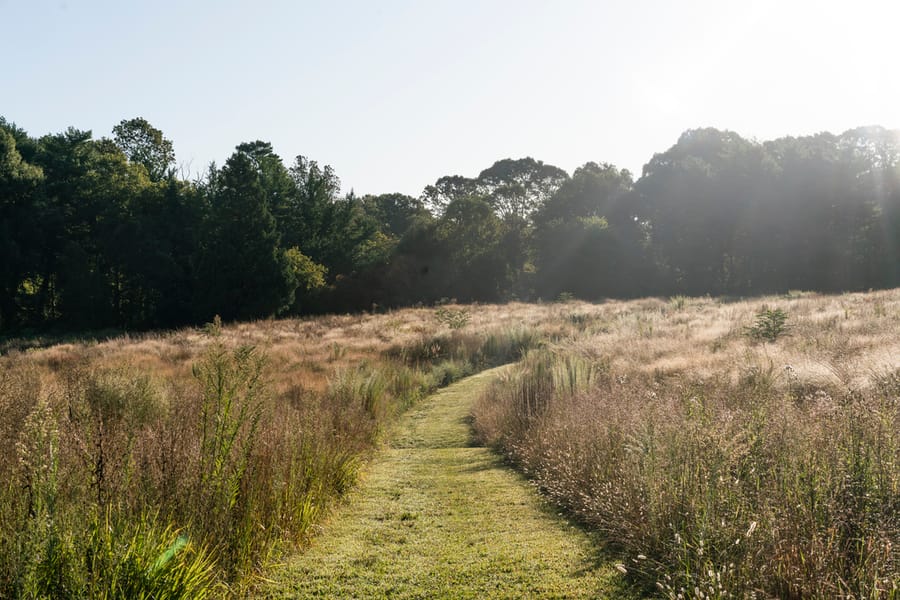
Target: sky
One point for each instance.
(395, 94)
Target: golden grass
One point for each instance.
(697, 438)
(302, 351)
(244, 449)
(653, 351)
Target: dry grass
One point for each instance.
(304, 350)
(242, 435)
(111, 430)
(722, 466)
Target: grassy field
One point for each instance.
(726, 449)
(437, 517)
(716, 454)
(216, 447)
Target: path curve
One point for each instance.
(437, 517)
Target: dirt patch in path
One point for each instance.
(436, 517)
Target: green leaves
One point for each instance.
(770, 324)
(308, 274)
(242, 270)
(145, 145)
(452, 318)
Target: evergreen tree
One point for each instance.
(243, 271)
(19, 226)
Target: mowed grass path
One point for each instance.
(435, 517)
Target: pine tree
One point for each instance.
(243, 270)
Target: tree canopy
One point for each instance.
(101, 232)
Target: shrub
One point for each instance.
(769, 325)
(678, 302)
(232, 394)
(507, 345)
(452, 318)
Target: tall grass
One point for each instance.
(757, 478)
(181, 468)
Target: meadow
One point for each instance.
(720, 448)
(181, 464)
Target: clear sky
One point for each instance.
(394, 94)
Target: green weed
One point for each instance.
(770, 324)
(452, 318)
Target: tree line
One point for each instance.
(104, 233)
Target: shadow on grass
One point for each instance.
(26, 340)
(473, 441)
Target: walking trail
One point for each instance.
(437, 517)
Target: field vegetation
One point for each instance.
(438, 516)
(180, 464)
(723, 449)
(720, 448)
